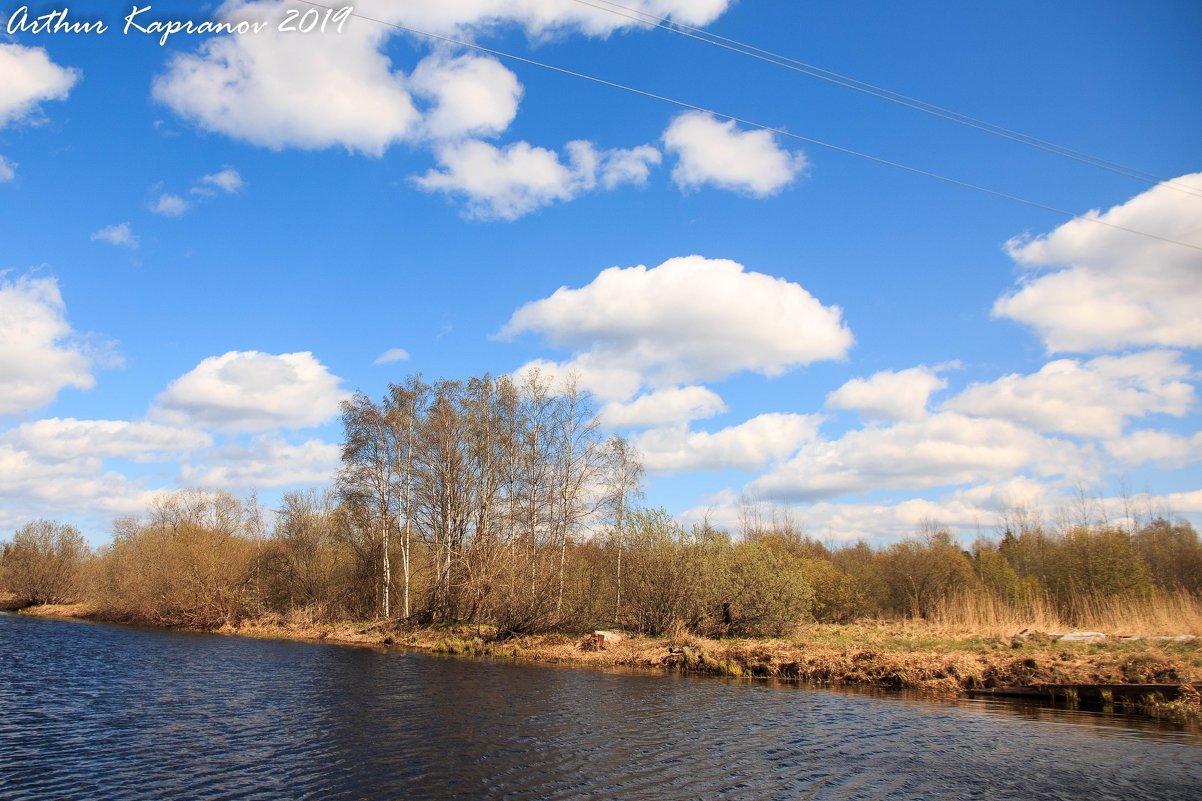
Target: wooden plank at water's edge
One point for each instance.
(1084, 691)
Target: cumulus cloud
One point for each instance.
(631, 166)
(710, 151)
(41, 354)
(943, 449)
(503, 183)
(170, 205)
(1106, 289)
(120, 234)
(282, 90)
(987, 507)
(690, 319)
(30, 78)
(470, 95)
(1093, 398)
(664, 406)
(266, 462)
(1162, 448)
(244, 391)
(37, 487)
(509, 182)
(67, 438)
(227, 180)
(392, 355)
(888, 394)
(540, 18)
(748, 446)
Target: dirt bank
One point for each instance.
(901, 656)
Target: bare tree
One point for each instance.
(626, 485)
(579, 471)
(367, 480)
(404, 411)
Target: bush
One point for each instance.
(44, 562)
(192, 571)
(662, 578)
(762, 592)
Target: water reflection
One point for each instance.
(89, 711)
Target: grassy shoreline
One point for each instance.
(895, 655)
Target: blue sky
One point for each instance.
(205, 245)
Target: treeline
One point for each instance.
(499, 502)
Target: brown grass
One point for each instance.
(1163, 614)
(81, 611)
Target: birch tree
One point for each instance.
(404, 411)
(626, 486)
(367, 481)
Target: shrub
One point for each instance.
(44, 562)
(762, 592)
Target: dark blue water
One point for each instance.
(104, 712)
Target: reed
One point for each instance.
(1160, 613)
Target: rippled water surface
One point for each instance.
(104, 712)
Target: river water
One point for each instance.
(91, 711)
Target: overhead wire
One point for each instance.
(846, 81)
(761, 126)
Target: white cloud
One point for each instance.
(1094, 398)
(747, 446)
(1109, 289)
(41, 354)
(170, 205)
(509, 182)
(710, 151)
(541, 18)
(888, 394)
(1181, 502)
(392, 355)
(30, 78)
(34, 487)
(687, 320)
(472, 96)
(58, 439)
(313, 92)
(503, 183)
(943, 449)
(228, 180)
(662, 407)
(1162, 448)
(266, 462)
(970, 511)
(632, 166)
(283, 90)
(252, 391)
(120, 234)
(605, 378)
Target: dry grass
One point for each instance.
(1162, 614)
(81, 611)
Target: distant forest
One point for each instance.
(500, 502)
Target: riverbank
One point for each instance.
(898, 655)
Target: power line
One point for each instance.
(813, 71)
(771, 129)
